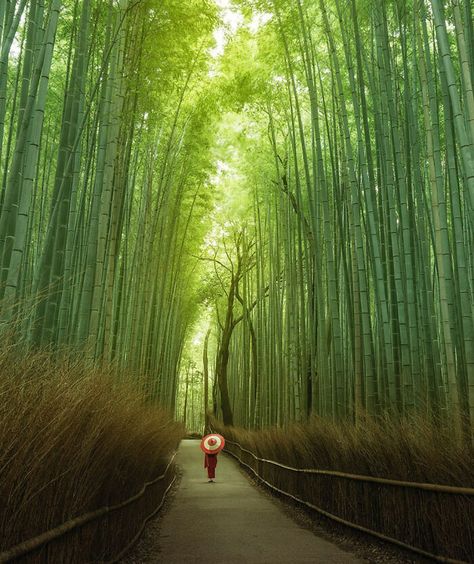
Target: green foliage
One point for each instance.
(336, 136)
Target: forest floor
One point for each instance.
(229, 521)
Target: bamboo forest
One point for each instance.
(252, 218)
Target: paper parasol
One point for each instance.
(212, 444)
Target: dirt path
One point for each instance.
(230, 521)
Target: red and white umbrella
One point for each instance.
(212, 444)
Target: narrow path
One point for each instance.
(231, 521)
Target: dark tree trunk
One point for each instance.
(221, 369)
(223, 354)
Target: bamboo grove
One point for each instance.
(349, 291)
(306, 193)
(100, 173)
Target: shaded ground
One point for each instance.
(229, 521)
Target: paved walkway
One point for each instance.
(230, 521)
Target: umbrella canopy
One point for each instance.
(212, 444)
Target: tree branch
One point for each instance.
(214, 260)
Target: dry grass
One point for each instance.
(412, 450)
(71, 441)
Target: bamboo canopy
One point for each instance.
(297, 176)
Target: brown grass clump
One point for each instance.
(71, 441)
(413, 450)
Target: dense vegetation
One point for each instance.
(348, 289)
(330, 148)
(102, 168)
(261, 207)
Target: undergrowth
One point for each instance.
(410, 449)
(71, 441)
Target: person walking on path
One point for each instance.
(210, 462)
(211, 445)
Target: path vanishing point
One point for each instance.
(231, 521)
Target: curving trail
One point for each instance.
(231, 521)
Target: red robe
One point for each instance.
(210, 462)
